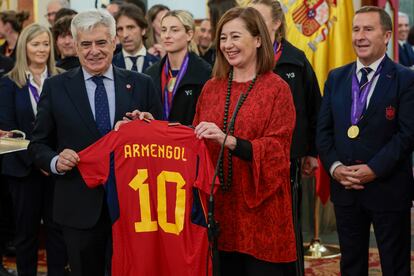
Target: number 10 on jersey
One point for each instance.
(139, 182)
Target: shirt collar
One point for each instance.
(30, 77)
(140, 52)
(109, 74)
(373, 66)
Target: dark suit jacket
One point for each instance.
(406, 54)
(65, 120)
(386, 137)
(6, 64)
(119, 60)
(16, 112)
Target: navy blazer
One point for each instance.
(16, 112)
(119, 61)
(385, 141)
(65, 120)
(406, 54)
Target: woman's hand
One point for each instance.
(212, 132)
(134, 115)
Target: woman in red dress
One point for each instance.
(253, 205)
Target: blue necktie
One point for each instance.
(102, 118)
(134, 63)
(364, 77)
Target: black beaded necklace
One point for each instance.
(225, 185)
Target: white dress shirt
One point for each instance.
(141, 53)
(30, 77)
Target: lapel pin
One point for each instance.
(389, 76)
(128, 86)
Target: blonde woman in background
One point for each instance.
(181, 74)
(31, 189)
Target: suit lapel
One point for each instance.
(23, 99)
(381, 88)
(76, 90)
(123, 91)
(347, 96)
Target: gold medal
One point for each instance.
(353, 131)
(171, 84)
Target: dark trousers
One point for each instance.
(234, 263)
(87, 248)
(392, 232)
(32, 198)
(296, 268)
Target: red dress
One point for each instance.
(255, 215)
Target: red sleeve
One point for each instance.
(94, 160)
(205, 170)
(271, 152)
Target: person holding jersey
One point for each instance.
(253, 205)
(31, 189)
(181, 74)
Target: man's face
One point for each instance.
(129, 34)
(369, 39)
(65, 45)
(403, 28)
(95, 49)
(52, 9)
(204, 36)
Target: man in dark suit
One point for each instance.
(365, 136)
(405, 51)
(76, 109)
(131, 27)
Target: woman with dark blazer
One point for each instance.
(181, 74)
(31, 189)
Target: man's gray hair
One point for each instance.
(402, 14)
(62, 3)
(86, 21)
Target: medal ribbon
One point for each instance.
(360, 96)
(34, 91)
(277, 49)
(165, 77)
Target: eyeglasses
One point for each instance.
(50, 14)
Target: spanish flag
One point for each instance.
(322, 29)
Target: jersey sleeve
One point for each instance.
(205, 174)
(94, 160)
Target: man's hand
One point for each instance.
(346, 176)
(363, 173)
(309, 166)
(67, 160)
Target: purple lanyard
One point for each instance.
(359, 98)
(34, 91)
(180, 75)
(275, 45)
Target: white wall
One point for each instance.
(197, 7)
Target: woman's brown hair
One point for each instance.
(255, 25)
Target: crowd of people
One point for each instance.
(230, 77)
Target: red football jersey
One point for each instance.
(163, 176)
